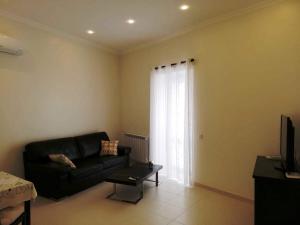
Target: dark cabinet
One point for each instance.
(277, 198)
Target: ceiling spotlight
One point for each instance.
(130, 21)
(184, 7)
(90, 31)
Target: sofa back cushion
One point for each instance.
(39, 151)
(90, 144)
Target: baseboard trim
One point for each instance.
(228, 194)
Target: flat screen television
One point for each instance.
(287, 144)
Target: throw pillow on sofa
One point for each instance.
(109, 148)
(62, 159)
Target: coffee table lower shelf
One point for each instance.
(134, 198)
(121, 176)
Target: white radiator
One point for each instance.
(139, 146)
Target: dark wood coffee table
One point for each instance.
(139, 172)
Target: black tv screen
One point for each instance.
(287, 143)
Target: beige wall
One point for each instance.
(58, 87)
(247, 74)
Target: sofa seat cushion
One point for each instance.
(87, 167)
(111, 161)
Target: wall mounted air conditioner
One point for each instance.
(9, 45)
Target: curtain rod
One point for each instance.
(174, 64)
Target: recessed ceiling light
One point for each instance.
(184, 7)
(90, 31)
(130, 21)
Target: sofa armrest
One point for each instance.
(49, 178)
(123, 150)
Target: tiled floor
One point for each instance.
(170, 203)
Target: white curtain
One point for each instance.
(172, 121)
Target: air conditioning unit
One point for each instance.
(9, 45)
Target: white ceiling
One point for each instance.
(155, 19)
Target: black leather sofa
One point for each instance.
(54, 180)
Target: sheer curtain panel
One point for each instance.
(172, 120)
